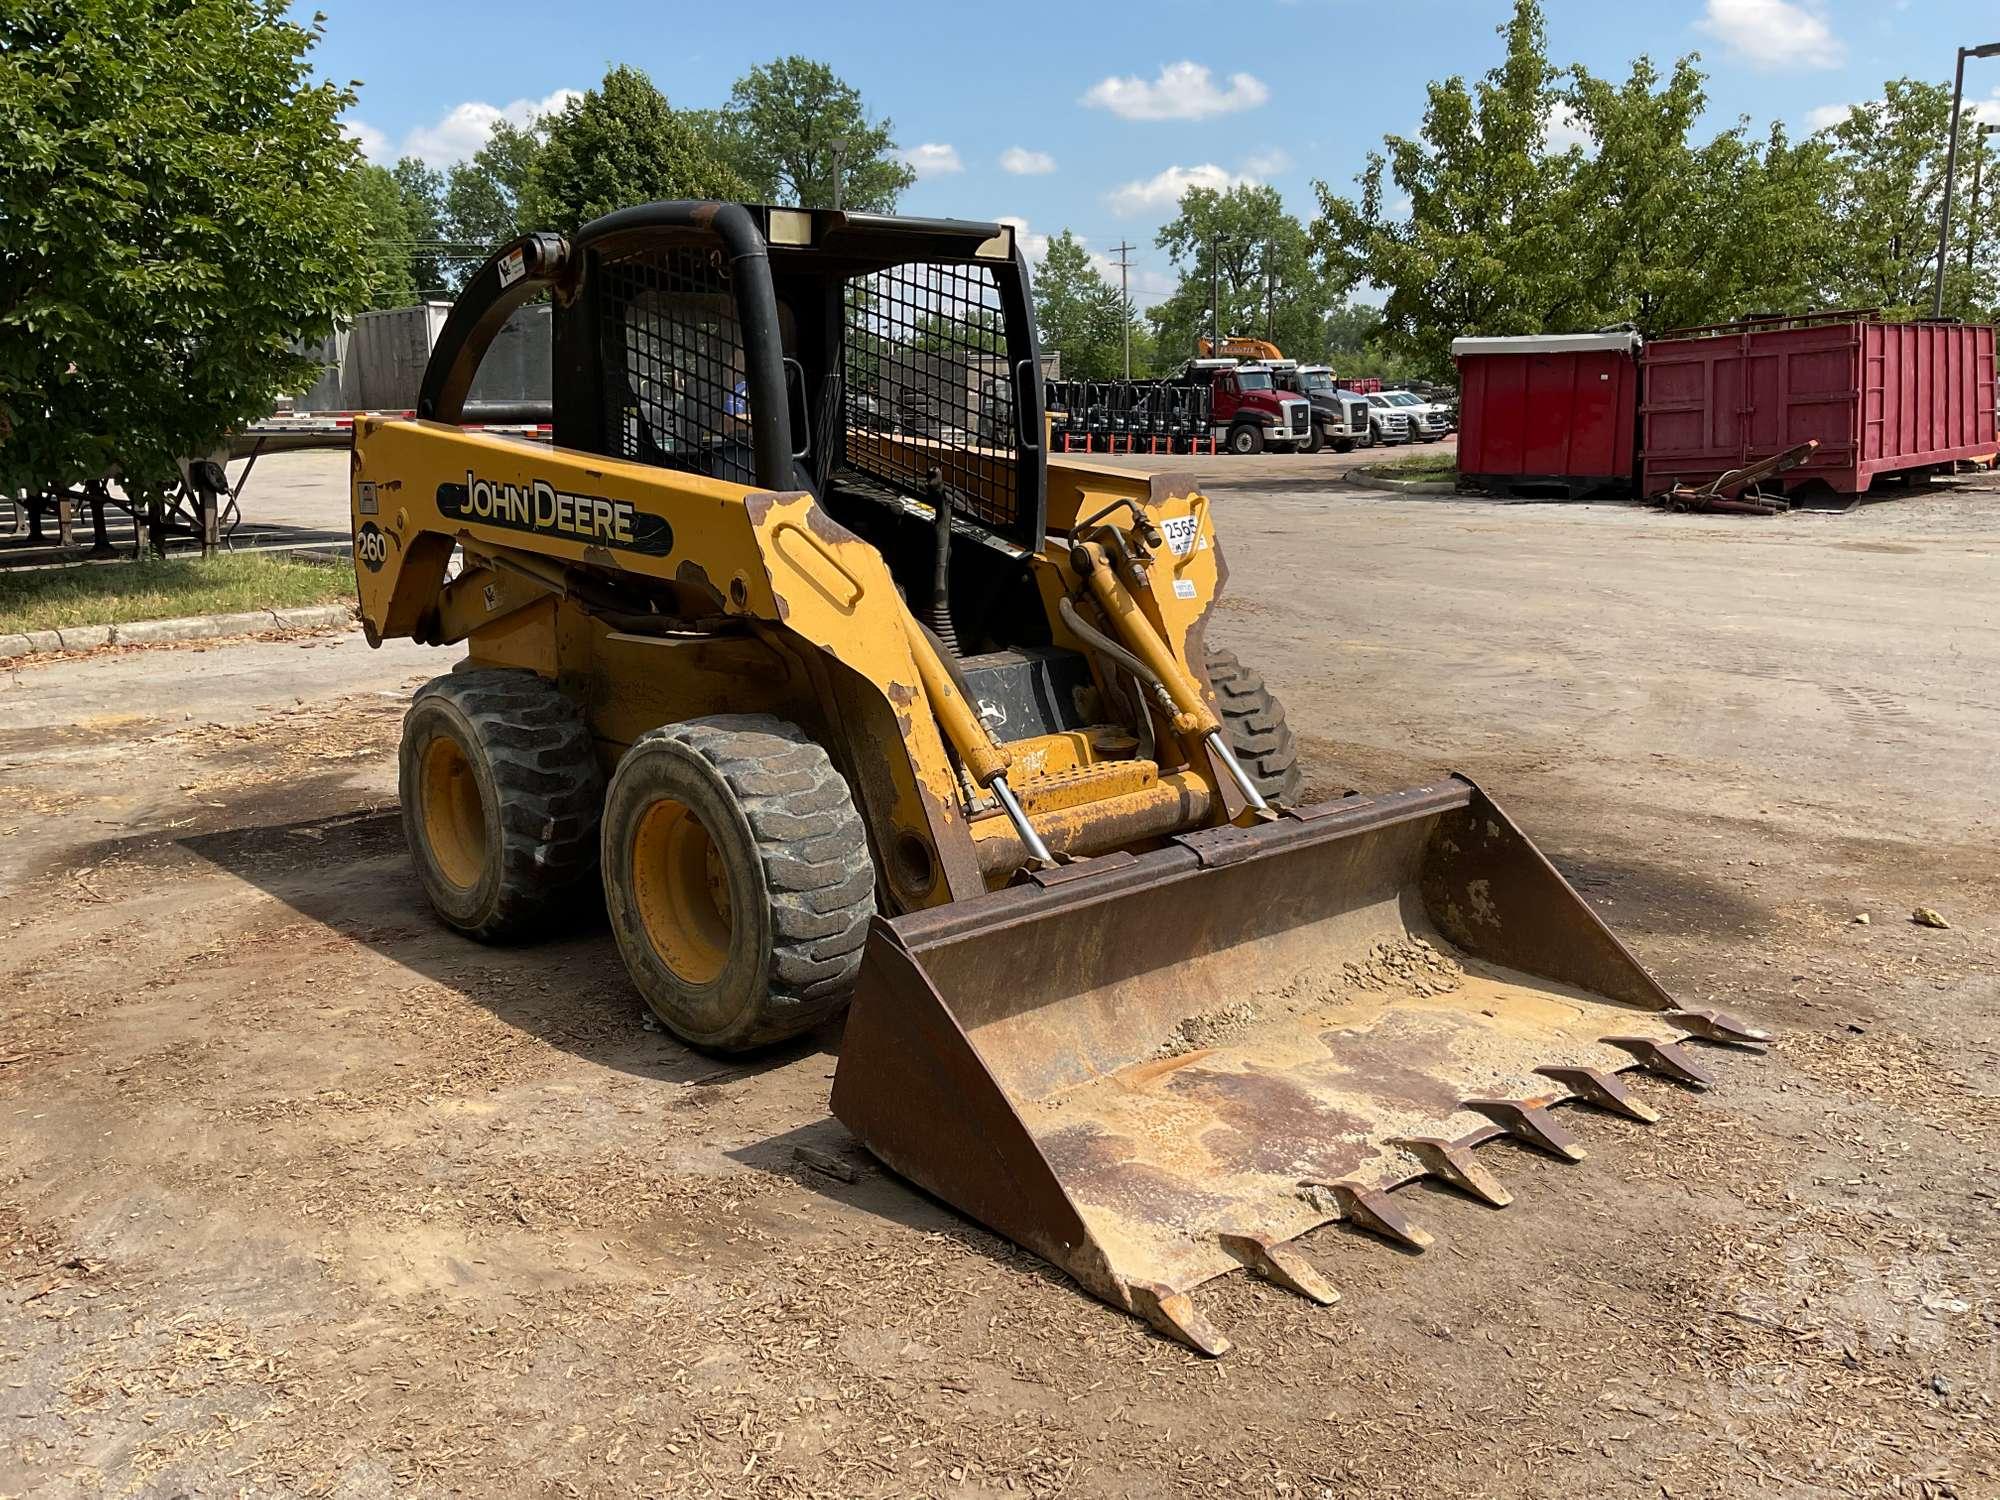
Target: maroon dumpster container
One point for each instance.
(1548, 414)
(1881, 398)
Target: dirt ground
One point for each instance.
(302, 1195)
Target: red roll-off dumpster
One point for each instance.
(1548, 414)
(1881, 398)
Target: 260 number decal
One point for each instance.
(371, 548)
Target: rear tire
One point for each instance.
(1246, 439)
(738, 880)
(501, 792)
(1253, 722)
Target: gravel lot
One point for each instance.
(302, 1195)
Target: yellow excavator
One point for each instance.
(854, 698)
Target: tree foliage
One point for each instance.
(1081, 315)
(421, 189)
(385, 256)
(1481, 225)
(178, 206)
(1888, 198)
(482, 204)
(788, 124)
(1240, 249)
(1481, 242)
(620, 144)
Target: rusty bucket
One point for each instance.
(1151, 1070)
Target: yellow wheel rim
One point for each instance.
(681, 888)
(454, 819)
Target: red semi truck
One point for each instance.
(1247, 412)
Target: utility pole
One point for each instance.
(1270, 291)
(1215, 296)
(839, 174)
(1991, 49)
(1125, 299)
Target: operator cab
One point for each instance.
(886, 365)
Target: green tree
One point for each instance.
(1079, 314)
(1484, 245)
(421, 189)
(790, 122)
(386, 257)
(178, 206)
(1889, 155)
(1353, 344)
(483, 197)
(1668, 234)
(617, 145)
(1239, 248)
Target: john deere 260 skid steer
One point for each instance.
(855, 697)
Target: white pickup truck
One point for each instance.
(1428, 421)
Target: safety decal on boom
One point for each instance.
(539, 507)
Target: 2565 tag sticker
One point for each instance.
(1180, 532)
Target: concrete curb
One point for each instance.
(190, 628)
(1361, 475)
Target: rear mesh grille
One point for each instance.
(673, 364)
(926, 385)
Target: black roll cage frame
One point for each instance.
(822, 242)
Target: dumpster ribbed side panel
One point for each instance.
(1880, 398)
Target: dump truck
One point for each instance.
(917, 722)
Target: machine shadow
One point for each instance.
(350, 872)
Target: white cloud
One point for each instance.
(1986, 111)
(1564, 130)
(1034, 246)
(464, 127)
(1025, 163)
(1827, 115)
(1267, 163)
(1183, 91)
(1164, 188)
(1774, 34)
(373, 143)
(933, 160)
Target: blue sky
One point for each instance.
(1091, 116)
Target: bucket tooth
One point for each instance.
(1719, 1026)
(1454, 1162)
(1664, 1059)
(1280, 1264)
(1173, 1313)
(1370, 1209)
(1603, 1090)
(1531, 1125)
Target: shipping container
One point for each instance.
(1880, 398)
(1548, 414)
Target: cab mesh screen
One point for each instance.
(926, 385)
(673, 364)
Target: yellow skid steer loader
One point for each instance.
(855, 697)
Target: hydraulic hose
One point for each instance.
(1098, 641)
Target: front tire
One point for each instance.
(1315, 440)
(1253, 722)
(1245, 439)
(500, 790)
(738, 880)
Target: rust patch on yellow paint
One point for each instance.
(692, 577)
